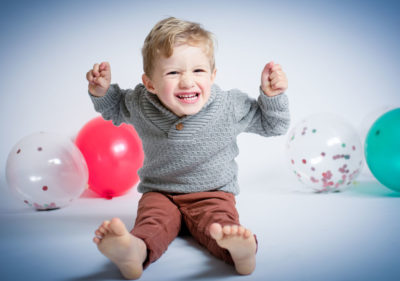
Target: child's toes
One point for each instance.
(241, 230)
(105, 224)
(227, 230)
(98, 233)
(234, 229)
(103, 230)
(247, 233)
(216, 231)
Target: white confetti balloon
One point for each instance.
(325, 153)
(46, 170)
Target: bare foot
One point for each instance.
(121, 247)
(240, 243)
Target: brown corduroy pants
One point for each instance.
(160, 217)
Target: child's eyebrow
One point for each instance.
(176, 67)
(169, 68)
(201, 66)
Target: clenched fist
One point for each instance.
(99, 79)
(273, 80)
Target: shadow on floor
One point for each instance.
(371, 189)
(215, 268)
(109, 272)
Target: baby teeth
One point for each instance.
(188, 97)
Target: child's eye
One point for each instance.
(199, 70)
(172, 73)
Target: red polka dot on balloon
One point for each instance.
(322, 153)
(304, 161)
(18, 151)
(40, 149)
(45, 188)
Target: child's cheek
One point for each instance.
(206, 84)
(169, 87)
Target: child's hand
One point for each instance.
(99, 79)
(273, 80)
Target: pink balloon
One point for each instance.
(113, 156)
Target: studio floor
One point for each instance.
(351, 235)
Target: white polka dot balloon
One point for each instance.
(46, 170)
(325, 153)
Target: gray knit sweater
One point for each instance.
(197, 152)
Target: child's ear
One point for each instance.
(213, 75)
(148, 84)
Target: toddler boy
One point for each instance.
(188, 127)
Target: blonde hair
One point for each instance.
(170, 32)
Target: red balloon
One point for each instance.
(113, 156)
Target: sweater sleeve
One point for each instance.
(266, 116)
(116, 104)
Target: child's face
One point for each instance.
(183, 81)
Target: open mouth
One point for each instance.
(188, 97)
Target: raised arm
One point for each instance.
(269, 115)
(99, 78)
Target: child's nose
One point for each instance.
(186, 81)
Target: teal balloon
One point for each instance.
(382, 149)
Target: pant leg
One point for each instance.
(201, 209)
(157, 223)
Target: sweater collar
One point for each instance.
(165, 119)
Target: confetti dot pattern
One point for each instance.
(324, 153)
(46, 171)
